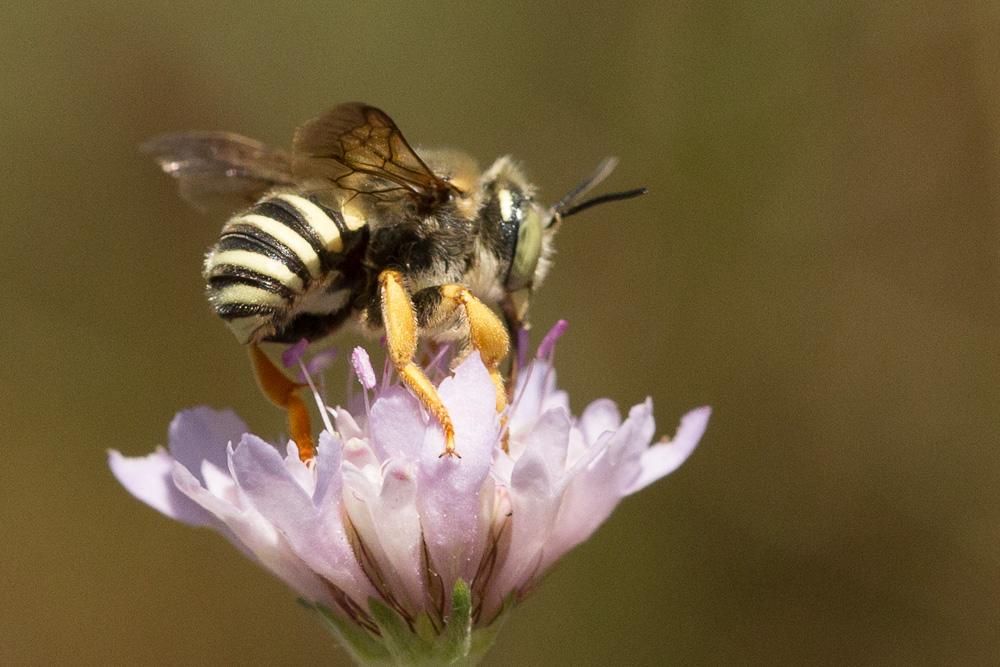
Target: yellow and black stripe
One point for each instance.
(276, 260)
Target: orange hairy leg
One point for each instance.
(439, 306)
(284, 393)
(486, 333)
(400, 323)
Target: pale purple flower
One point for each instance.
(402, 550)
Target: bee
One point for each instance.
(353, 225)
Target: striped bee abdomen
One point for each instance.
(276, 260)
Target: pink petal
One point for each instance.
(297, 468)
(328, 480)
(600, 478)
(317, 538)
(197, 438)
(149, 479)
(535, 384)
(599, 417)
(399, 528)
(254, 535)
(388, 523)
(346, 425)
(557, 398)
(663, 458)
(535, 495)
(503, 467)
(397, 425)
(449, 489)
(220, 483)
(359, 453)
(202, 434)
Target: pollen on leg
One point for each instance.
(486, 333)
(401, 338)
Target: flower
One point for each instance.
(409, 556)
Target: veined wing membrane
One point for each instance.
(365, 140)
(220, 168)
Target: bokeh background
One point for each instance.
(817, 259)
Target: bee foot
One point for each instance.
(449, 447)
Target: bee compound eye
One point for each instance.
(527, 250)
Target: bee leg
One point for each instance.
(515, 324)
(284, 393)
(487, 334)
(400, 322)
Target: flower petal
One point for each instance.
(149, 479)
(297, 468)
(598, 418)
(663, 458)
(358, 452)
(317, 537)
(346, 425)
(397, 425)
(535, 495)
(535, 393)
(202, 434)
(256, 537)
(448, 489)
(329, 483)
(197, 438)
(534, 384)
(388, 524)
(598, 482)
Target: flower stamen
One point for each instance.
(365, 373)
(320, 403)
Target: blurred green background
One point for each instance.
(817, 259)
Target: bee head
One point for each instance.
(513, 225)
(521, 231)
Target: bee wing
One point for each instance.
(220, 168)
(365, 140)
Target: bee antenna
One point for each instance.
(567, 206)
(604, 169)
(603, 199)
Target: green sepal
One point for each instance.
(426, 628)
(419, 644)
(483, 638)
(407, 647)
(363, 647)
(456, 640)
